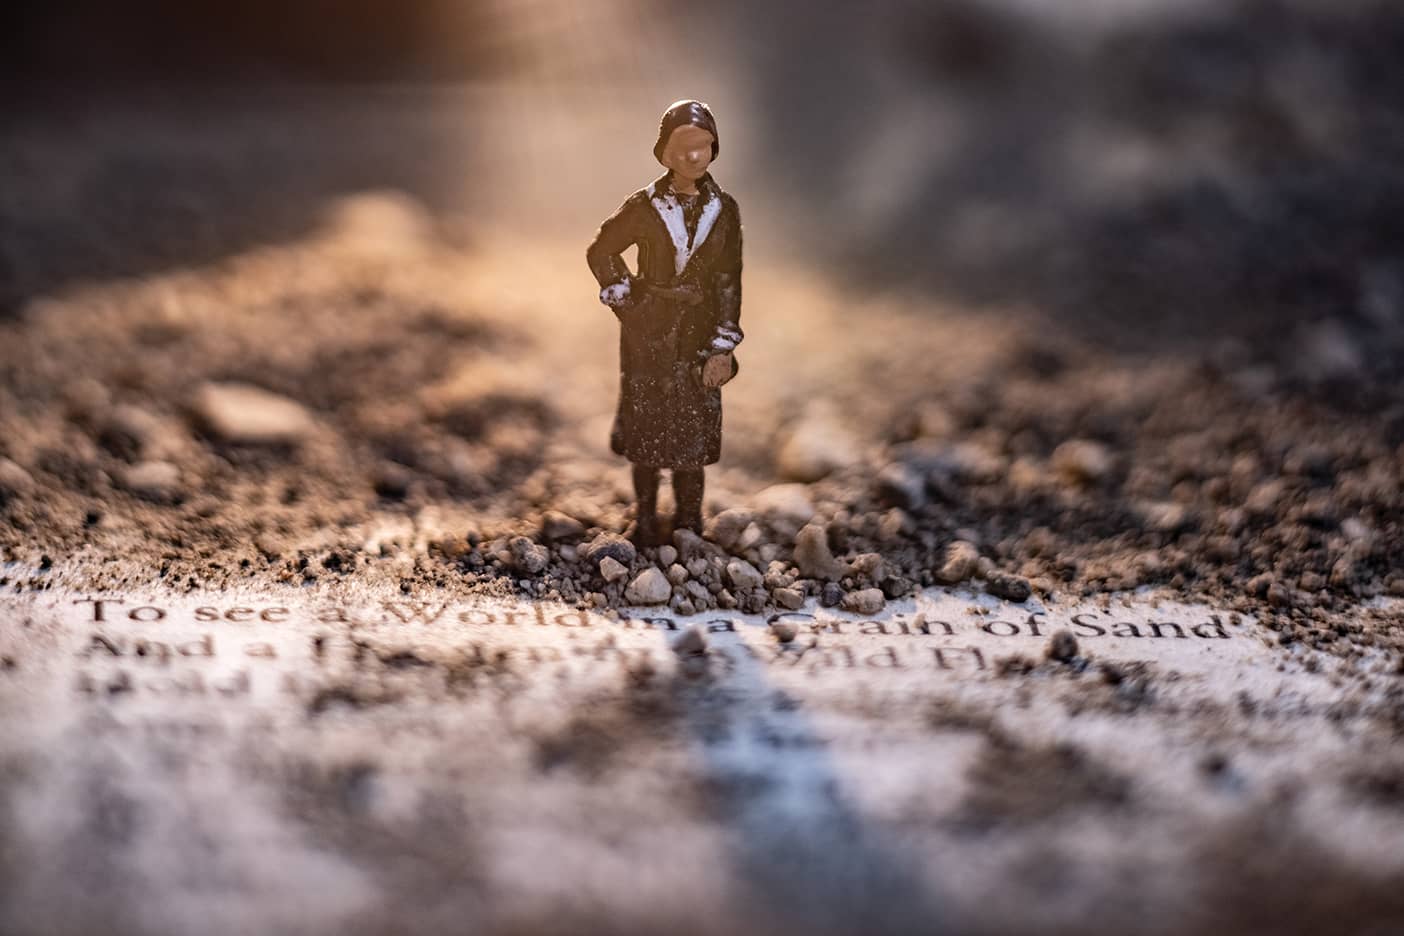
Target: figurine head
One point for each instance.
(687, 139)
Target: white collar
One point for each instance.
(665, 202)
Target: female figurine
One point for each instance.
(678, 317)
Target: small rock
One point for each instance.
(691, 642)
(612, 569)
(790, 598)
(749, 537)
(960, 562)
(127, 430)
(1007, 586)
(531, 558)
(14, 480)
(247, 415)
(1062, 646)
(865, 601)
(816, 446)
(649, 587)
(667, 555)
(813, 557)
(690, 545)
(1082, 461)
(900, 485)
(609, 544)
(831, 595)
(392, 481)
(726, 527)
(743, 575)
(697, 567)
(787, 507)
(677, 574)
(1264, 497)
(1164, 516)
(557, 527)
(784, 631)
(155, 481)
(871, 565)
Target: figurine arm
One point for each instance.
(726, 281)
(603, 255)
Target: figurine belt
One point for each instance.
(686, 294)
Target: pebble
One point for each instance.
(392, 481)
(1062, 646)
(557, 527)
(787, 507)
(14, 480)
(531, 558)
(697, 567)
(1007, 586)
(156, 481)
(691, 642)
(725, 528)
(612, 545)
(247, 415)
(743, 575)
(784, 631)
(690, 545)
(790, 598)
(865, 601)
(813, 557)
(960, 561)
(667, 555)
(1164, 516)
(900, 485)
(1082, 461)
(612, 569)
(894, 524)
(869, 564)
(749, 537)
(831, 595)
(649, 587)
(816, 446)
(128, 430)
(677, 574)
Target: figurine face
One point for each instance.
(689, 152)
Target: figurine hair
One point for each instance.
(684, 113)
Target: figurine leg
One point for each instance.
(645, 532)
(687, 488)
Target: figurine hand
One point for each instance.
(716, 370)
(618, 295)
(725, 340)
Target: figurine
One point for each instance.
(678, 317)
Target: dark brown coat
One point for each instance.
(666, 416)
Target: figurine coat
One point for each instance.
(667, 417)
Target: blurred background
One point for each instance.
(1153, 171)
